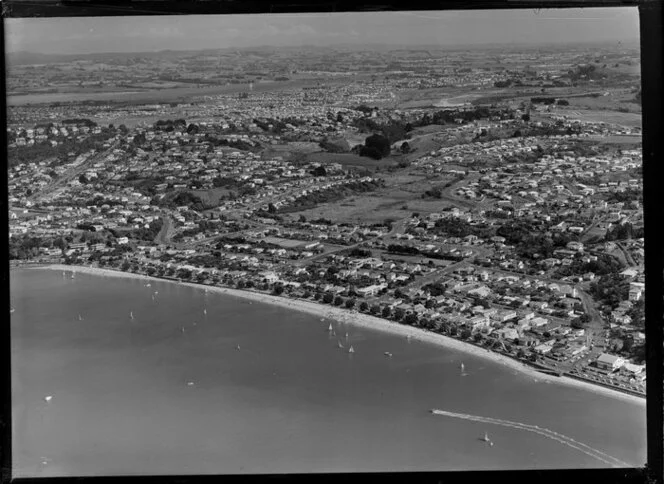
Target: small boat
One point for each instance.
(131, 314)
(182, 329)
(237, 347)
(339, 344)
(351, 350)
(487, 439)
(346, 336)
(48, 398)
(80, 318)
(148, 285)
(190, 383)
(462, 367)
(11, 310)
(388, 354)
(204, 311)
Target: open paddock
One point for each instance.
(349, 160)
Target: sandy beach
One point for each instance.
(367, 321)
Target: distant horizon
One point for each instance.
(444, 29)
(626, 42)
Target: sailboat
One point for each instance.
(346, 336)
(462, 367)
(204, 311)
(486, 437)
(330, 328)
(340, 345)
(131, 314)
(351, 350)
(237, 347)
(80, 318)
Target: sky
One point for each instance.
(84, 35)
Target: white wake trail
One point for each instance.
(550, 434)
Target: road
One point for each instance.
(166, 232)
(73, 173)
(397, 228)
(628, 256)
(206, 240)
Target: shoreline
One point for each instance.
(343, 315)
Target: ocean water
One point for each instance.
(169, 392)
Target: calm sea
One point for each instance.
(169, 392)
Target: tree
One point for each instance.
(319, 171)
(306, 295)
(278, 289)
(386, 312)
(405, 147)
(338, 301)
(350, 303)
(399, 313)
(318, 295)
(364, 306)
(374, 309)
(379, 143)
(328, 298)
(410, 319)
(370, 152)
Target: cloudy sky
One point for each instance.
(141, 34)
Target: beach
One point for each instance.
(370, 322)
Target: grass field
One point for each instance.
(349, 159)
(611, 117)
(401, 196)
(210, 198)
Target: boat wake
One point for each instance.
(550, 434)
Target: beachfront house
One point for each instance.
(609, 362)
